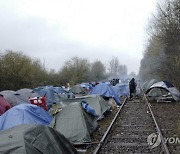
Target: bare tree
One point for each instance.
(117, 70)
(98, 71)
(76, 70)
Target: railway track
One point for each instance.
(133, 130)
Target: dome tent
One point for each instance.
(12, 97)
(24, 114)
(163, 88)
(95, 101)
(74, 123)
(148, 84)
(25, 93)
(34, 139)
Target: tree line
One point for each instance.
(162, 52)
(18, 70)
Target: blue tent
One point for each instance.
(24, 114)
(105, 90)
(49, 92)
(59, 90)
(121, 89)
(86, 85)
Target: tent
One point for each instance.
(95, 101)
(59, 90)
(47, 91)
(74, 123)
(60, 93)
(87, 86)
(148, 84)
(163, 88)
(34, 139)
(12, 98)
(4, 105)
(121, 89)
(105, 90)
(24, 114)
(59, 96)
(25, 94)
(77, 89)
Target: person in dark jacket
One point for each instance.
(132, 87)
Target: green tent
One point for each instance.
(74, 123)
(95, 101)
(34, 139)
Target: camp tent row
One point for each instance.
(71, 116)
(24, 129)
(22, 96)
(73, 121)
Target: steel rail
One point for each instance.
(158, 129)
(108, 130)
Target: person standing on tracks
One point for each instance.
(132, 88)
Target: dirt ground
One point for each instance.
(168, 118)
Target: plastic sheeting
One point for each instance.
(88, 108)
(47, 91)
(105, 90)
(167, 86)
(34, 139)
(121, 89)
(24, 114)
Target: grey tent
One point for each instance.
(77, 89)
(95, 101)
(148, 84)
(34, 139)
(12, 98)
(74, 123)
(163, 88)
(25, 94)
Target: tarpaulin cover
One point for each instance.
(148, 84)
(121, 89)
(47, 91)
(88, 108)
(105, 90)
(34, 139)
(24, 114)
(59, 90)
(167, 86)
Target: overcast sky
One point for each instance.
(57, 30)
